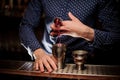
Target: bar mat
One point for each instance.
(104, 70)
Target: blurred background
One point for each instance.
(11, 12)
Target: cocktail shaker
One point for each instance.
(58, 51)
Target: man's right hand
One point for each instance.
(43, 60)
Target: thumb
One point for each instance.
(72, 17)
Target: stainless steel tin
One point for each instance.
(58, 51)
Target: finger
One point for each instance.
(47, 65)
(36, 66)
(41, 66)
(66, 25)
(54, 34)
(52, 62)
(66, 33)
(53, 27)
(72, 17)
(53, 58)
(64, 28)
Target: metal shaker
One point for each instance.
(58, 51)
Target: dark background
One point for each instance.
(10, 17)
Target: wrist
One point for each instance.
(37, 53)
(88, 34)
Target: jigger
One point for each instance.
(79, 58)
(58, 51)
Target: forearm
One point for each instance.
(88, 34)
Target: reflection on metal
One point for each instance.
(79, 58)
(58, 52)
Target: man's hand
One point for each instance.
(75, 28)
(43, 61)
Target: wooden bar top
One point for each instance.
(104, 72)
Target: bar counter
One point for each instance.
(92, 72)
